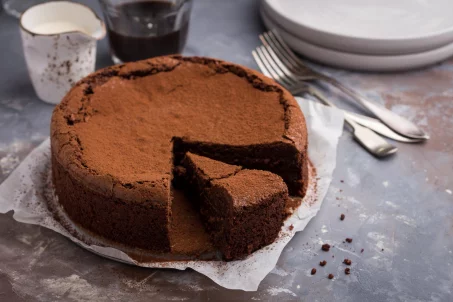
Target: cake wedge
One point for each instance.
(243, 210)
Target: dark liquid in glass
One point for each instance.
(145, 29)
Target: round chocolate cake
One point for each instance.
(129, 140)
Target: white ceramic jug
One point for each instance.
(59, 41)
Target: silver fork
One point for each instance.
(372, 142)
(294, 67)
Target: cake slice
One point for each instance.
(243, 210)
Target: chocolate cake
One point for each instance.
(243, 210)
(117, 135)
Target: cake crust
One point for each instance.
(243, 210)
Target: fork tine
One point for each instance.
(267, 66)
(266, 69)
(281, 65)
(276, 68)
(261, 64)
(288, 51)
(269, 40)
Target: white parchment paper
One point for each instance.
(22, 193)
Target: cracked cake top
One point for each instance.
(119, 123)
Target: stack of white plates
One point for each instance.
(374, 35)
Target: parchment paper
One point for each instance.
(22, 193)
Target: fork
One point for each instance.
(372, 142)
(294, 67)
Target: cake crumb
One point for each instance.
(313, 271)
(382, 250)
(291, 227)
(348, 240)
(361, 250)
(325, 247)
(342, 181)
(330, 276)
(347, 271)
(342, 216)
(347, 261)
(323, 263)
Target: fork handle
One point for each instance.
(371, 141)
(388, 117)
(320, 96)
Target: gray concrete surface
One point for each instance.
(399, 210)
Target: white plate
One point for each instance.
(379, 27)
(357, 61)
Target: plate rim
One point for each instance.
(359, 44)
(376, 63)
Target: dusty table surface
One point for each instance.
(399, 210)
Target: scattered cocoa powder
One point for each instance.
(325, 247)
(362, 250)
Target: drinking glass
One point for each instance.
(140, 29)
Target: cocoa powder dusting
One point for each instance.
(116, 129)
